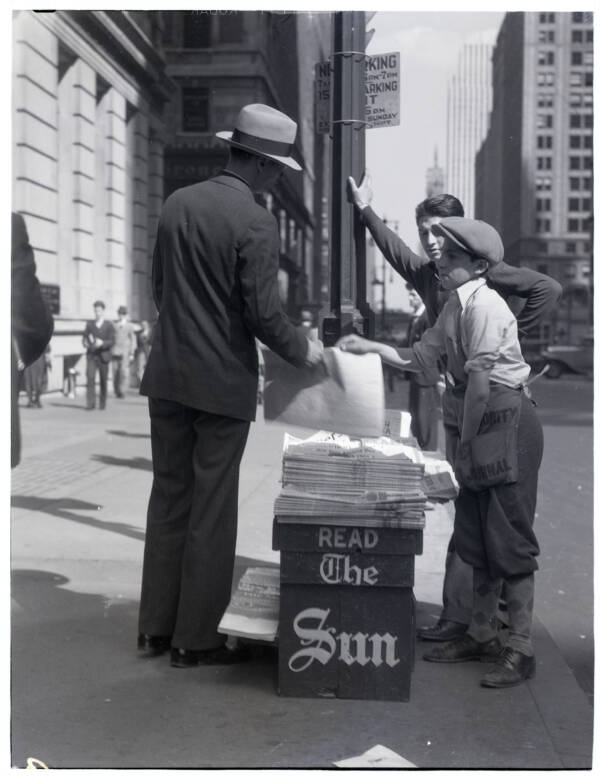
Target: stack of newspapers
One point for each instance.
(340, 480)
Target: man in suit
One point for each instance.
(122, 352)
(423, 396)
(215, 286)
(32, 324)
(98, 339)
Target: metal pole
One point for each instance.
(349, 310)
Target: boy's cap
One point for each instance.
(474, 236)
(122, 310)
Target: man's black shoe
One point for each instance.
(464, 649)
(442, 631)
(511, 668)
(149, 645)
(223, 655)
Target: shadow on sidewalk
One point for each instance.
(61, 507)
(132, 463)
(129, 435)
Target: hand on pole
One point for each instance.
(362, 195)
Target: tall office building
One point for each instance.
(222, 60)
(535, 168)
(468, 107)
(434, 178)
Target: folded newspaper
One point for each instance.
(253, 611)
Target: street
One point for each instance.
(81, 698)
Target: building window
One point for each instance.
(573, 226)
(231, 27)
(544, 120)
(197, 28)
(577, 17)
(575, 120)
(570, 247)
(589, 36)
(588, 79)
(544, 163)
(545, 58)
(586, 184)
(543, 204)
(542, 185)
(576, 36)
(586, 204)
(585, 271)
(588, 58)
(588, 99)
(546, 36)
(587, 163)
(588, 120)
(576, 58)
(588, 142)
(574, 142)
(544, 142)
(574, 204)
(575, 79)
(574, 183)
(575, 99)
(545, 101)
(195, 109)
(545, 79)
(542, 226)
(574, 163)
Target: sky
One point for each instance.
(398, 157)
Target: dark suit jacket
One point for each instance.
(214, 279)
(31, 321)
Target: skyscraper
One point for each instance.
(434, 178)
(469, 104)
(535, 168)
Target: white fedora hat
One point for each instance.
(265, 131)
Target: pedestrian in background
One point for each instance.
(494, 443)
(123, 352)
(98, 339)
(142, 349)
(423, 394)
(35, 378)
(214, 280)
(31, 322)
(530, 295)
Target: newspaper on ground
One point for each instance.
(253, 611)
(344, 393)
(377, 757)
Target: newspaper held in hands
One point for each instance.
(253, 611)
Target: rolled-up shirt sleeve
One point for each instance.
(430, 348)
(485, 329)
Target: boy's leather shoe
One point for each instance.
(442, 631)
(464, 649)
(222, 655)
(511, 668)
(150, 645)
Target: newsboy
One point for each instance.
(214, 281)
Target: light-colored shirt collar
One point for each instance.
(420, 310)
(466, 290)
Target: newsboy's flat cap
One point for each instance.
(473, 235)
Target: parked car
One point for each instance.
(578, 359)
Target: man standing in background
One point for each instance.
(98, 339)
(122, 352)
(423, 395)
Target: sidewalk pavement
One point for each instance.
(82, 699)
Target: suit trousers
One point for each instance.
(95, 363)
(120, 366)
(191, 529)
